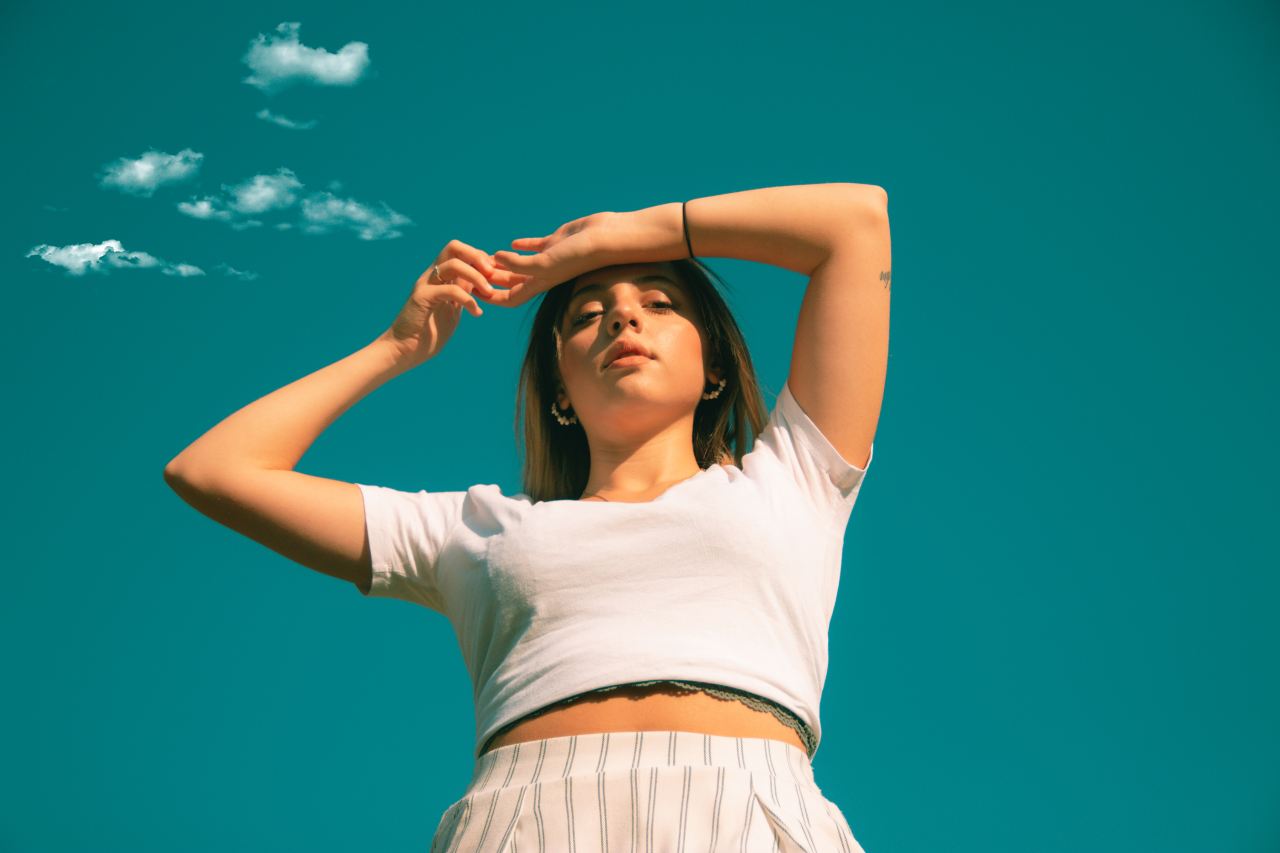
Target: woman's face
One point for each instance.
(638, 303)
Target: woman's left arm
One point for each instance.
(837, 235)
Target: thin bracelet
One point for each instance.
(684, 215)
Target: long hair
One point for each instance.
(557, 459)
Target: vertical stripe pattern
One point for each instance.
(644, 792)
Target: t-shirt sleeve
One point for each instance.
(799, 450)
(407, 532)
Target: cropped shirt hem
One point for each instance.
(751, 700)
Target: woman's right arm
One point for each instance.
(240, 473)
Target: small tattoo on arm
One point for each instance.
(887, 278)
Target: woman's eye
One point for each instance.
(662, 306)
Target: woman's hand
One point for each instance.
(572, 249)
(589, 243)
(431, 313)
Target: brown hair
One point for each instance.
(557, 458)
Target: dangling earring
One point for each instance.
(572, 419)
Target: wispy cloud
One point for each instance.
(101, 258)
(213, 208)
(235, 273)
(205, 208)
(325, 212)
(321, 212)
(143, 175)
(262, 193)
(280, 61)
(81, 258)
(284, 121)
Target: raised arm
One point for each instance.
(240, 473)
(838, 235)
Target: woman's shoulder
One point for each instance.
(494, 494)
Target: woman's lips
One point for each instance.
(628, 360)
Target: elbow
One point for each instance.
(882, 200)
(180, 472)
(873, 198)
(173, 475)
(188, 483)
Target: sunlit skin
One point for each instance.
(638, 418)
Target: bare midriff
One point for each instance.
(654, 707)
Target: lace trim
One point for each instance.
(751, 700)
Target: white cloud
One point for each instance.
(235, 273)
(324, 212)
(284, 121)
(153, 168)
(183, 270)
(279, 61)
(259, 194)
(262, 193)
(80, 258)
(204, 208)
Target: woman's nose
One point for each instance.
(624, 313)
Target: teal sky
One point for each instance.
(1056, 627)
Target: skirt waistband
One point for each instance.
(528, 762)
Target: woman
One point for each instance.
(645, 625)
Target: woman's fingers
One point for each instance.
(506, 279)
(533, 244)
(463, 297)
(456, 269)
(475, 265)
(468, 273)
(478, 259)
(529, 264)
(509, 281)
(515, 295)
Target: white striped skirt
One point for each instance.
(650, 791)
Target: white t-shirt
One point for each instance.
(728, 577)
